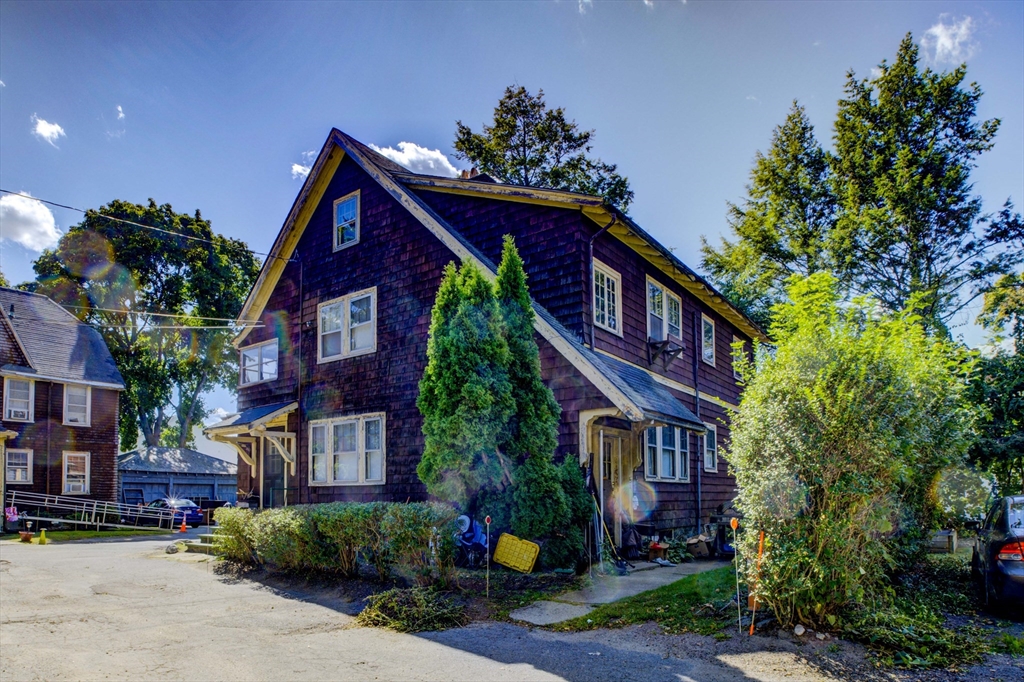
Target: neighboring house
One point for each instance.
(635, 345)
(158, 472)
(60, 395)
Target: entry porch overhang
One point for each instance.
(241, 430)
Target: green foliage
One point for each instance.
(963, 494)
(999, 388)
(125, 279)
(412, 610)
(334, 537)
(465, 396)
(837, 448)
(529, 144)
(3, 280)
(1003, 310)
(784, 225)
(1008, 644)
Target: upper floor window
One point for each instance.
(259, 363)
(668, 453)
(711, 448)
(607, 310)
(77, 405)
(19, 466)
(737, 356)
(664, 313)
(347, 450)
(76, 473)
(348, 326)
(19, 395)
(707, 345)
(346, 221)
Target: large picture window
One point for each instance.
(664, 313)
(18, 467)
(77, 405)
(668, 453)
(607, 288)
(348, 326)
(346, 221)
(19, 394)
(76, 473)
(259, 363)
(347, 450)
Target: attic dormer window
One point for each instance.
(346, 221)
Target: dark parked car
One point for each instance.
(997, 562)
(192, 513)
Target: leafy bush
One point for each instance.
(422, 537)
(233, 539)
(837, 449)
(412, 610)
(345, 525)
(289, 539)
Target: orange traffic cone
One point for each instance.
(182, 529)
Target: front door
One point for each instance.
(274, 483)
(614, 447)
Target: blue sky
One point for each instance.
(211, 105)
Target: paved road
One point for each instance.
(125, 610)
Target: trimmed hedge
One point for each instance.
(419, 536)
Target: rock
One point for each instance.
(172, 548)
(822, 636)
(799, 630)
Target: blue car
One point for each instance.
(192, 513)
(997, 562)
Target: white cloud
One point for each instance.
(876, 72)
(309, 157)
(584, 5)
(27, 222)
(2, 84)
(300, 171)
(218, 414)
(649, 3)
(950, 42)
(45, 130)
(120, 113)
(419, 159)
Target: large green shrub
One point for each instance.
(837, 447)
(233, 539)
(289, 539)
(421, 536)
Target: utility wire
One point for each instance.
(129, 222)
(143, 312)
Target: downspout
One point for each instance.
(298, 393)
(696, 405)
(590, 261)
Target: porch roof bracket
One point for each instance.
(284, 444)
(234, 442)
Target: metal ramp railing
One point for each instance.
(85, 512)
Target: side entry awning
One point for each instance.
(241, 431)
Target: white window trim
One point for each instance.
(714, 335)
(617, 278)
(334, 220)
(88, 405)
(712, 433)
(260, 346)
(345, 330)
(361, 419)
(88, 472)
(666, 294)
(31, 399)
(682, 455)
(7, 454)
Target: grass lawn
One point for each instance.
(66, 535)
(691, 604)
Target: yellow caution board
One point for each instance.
(519, 555)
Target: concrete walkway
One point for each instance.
(607, 589)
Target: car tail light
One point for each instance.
(1011, 551)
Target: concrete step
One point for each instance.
(207, 538)
(200, 547)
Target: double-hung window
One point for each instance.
(346, 221)
(259, 363)
(18, 398)
(77, 405)
(607, 309)
(347, 450)
(348, 326)
(711, 448)
(664, 313)
(739, 353)
(19, 466)
(668, 453)
(707, 343)
(76, 473)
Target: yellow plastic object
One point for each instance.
(519, 555)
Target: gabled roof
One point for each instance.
(55, 344)
(617, 386)
(174, 461)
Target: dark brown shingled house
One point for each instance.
(58, 430)
(635, 345)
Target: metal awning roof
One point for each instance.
(249, 419)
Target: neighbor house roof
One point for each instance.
(174, 461)
(626, 390)
(52, 344)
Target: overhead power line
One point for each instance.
(129, 222)
(144, 312)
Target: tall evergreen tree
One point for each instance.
(784, 224)
(529, 144)
(465, 396)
